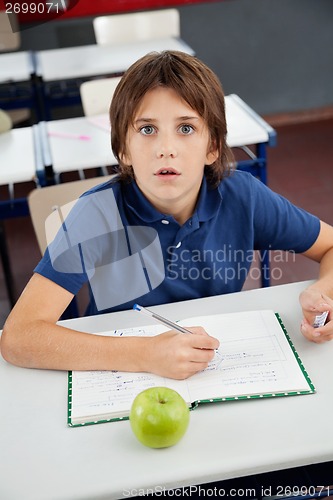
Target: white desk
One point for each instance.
(68, 154)
(94, 60)
(16, 67)
(43, 459)
(17, 88)
(61, 71)
(245, 127)
(19, 155)
(20, 161)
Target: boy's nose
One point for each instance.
(166, 149)
(166, 154)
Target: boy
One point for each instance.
(175, 217)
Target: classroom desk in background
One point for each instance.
(20, 161)
(17, 88)
(61, 71)
(43, 459)
(98, 60)
(74, 144)
(16, 67)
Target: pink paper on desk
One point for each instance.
(101, 121)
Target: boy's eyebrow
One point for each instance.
(144, 120)
(189, 118)
(180, 118)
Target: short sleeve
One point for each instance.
(278, 223)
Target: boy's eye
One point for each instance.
(147, 130)
(186, 129)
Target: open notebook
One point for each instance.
(256, 359)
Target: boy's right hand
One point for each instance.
(180, 355)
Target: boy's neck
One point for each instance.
(180, 210)
(182, 215)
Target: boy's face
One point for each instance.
(168, 148)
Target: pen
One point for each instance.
(65, 135)
(159, 318)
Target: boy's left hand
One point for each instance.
(313, 303)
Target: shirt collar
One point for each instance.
(208, 204)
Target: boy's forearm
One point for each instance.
(324, 283)
(50, 346)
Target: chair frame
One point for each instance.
(43, 201)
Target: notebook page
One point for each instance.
(100, 395)
(254, 358)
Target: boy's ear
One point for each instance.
(125, 159)
(212, 154)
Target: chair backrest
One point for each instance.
(43, 201)
(136, 26)
(9, 39)
(5, 121)
(96, 95)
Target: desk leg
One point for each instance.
(262, 159)
(265, 272)
(6, 265)
(257, 166)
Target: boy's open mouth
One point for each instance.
(167, 171)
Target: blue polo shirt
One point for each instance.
(165, 262)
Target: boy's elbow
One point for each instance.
(9, 346)
(5, 347)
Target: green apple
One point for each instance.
(159, 417)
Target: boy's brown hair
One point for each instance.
(194, 82)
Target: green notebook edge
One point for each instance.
(195, 404)
(69, 408)
(311, 389)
